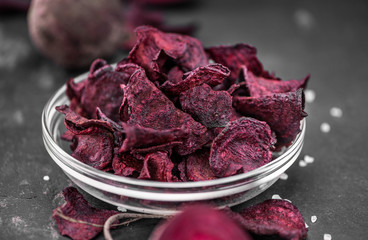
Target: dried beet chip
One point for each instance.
(244, 145)
(259, 86)
(198, 167)
(74, 92)
(67, 136)
(175, 75)
(209, 107)
(126, 67)
(77, 218)
(141, 137)
(80, 125)
(147, 106)
(125, 164)
(274, 217)
(101, 89)
(182, 168)
(234, 57)
(187, 52)
(158, 166)
(282, 111)
(200, 222)
(212, 74)
(94, 149)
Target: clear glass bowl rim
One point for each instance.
(49, 112)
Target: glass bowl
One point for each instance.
(152, 196)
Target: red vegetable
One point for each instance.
(274, 217)
(244, 145)
(77, 218)
(282, 111)
(200, 223)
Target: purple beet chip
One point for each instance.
(125, 164)
(77, 218)
(198, 167)
(259, 86)
(145, 105)
(282, 111)
(234, 57)
(101, 89)
(209, 107)
(159, 167)
(212, 74)
(155, 48)
(244, 145)
(93, 140)
(274, 217)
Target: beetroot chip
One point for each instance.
(200, 222)
(209, 107)
(198, 167)
(93, 140)
(158, 166)
(80, 125)
(145, 105)
(274, 217)
(94, 149)
(77, 218)
(140, 137)
(212, 74)
(101, 89)
(282, 111)
(259, 86)
(234, 57)
(153, 47)
(125, 164)
(244, 145)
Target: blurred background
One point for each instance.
(327, 39)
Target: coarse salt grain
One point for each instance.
(121, 209)
(325, 127)
(46, 178)
(327, 236)
(336, 112)
(302, 163)
(313, 219)
(284, 176)
(306, 225)
(308, 159)
(276, 196)
(309, 95)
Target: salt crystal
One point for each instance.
(327, 236)
(336, 112)
(304, 19)
(302, 163)
(325, 127)
(276, 196)
(121, 209)
(284, 176)
(309, 95)
(46, 178)
(308, 159)
(288, 200)
(313, 219)
(306, 225)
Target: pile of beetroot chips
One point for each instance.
(173, 111)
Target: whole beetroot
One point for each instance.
(200, 222)
(74, 33)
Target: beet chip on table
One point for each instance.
(77, 218)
